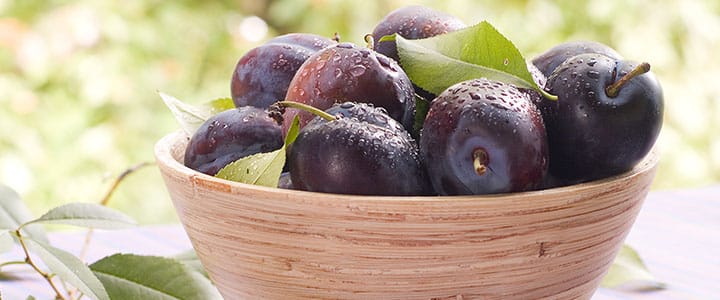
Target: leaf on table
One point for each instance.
(129, 276)
(14, 212)
(629, 271)
(439, 62)
(30, 297)
(263, 168)
(191, 259)
(87, 215)
(68, 268)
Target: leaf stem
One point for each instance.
(307, 108)
(370, 40)
(106, 199)
(28, 260)
(14, 262)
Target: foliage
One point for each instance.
(78, 78)
(119, 276)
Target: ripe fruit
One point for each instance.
(551, 59)
(412, 22)
(231, 135)
(344, 72)
(363, 152)
(482, 136)
(263, 74)
(607, 117)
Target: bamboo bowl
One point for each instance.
(267, 243)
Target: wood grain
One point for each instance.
(266, 243)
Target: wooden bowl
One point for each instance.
(267, 243)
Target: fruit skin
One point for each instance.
(489, 116)
(363, 112)
(413, 22)
(357, 154)
(548, 61)
(344, 72)
(592, 135)
(231, 135)
(262, 76)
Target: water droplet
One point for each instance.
(357, 70)
(475, 96)
(506, 62)
(593, 74)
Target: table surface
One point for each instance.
(677, 234)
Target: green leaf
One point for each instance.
(263, 168)
(68, 268)
(258, 169)
(422, 106)
(218, 105)
(441, 61)
(14, 212)
(293, 132)
(190, 259)
(129, 276)
(191, 117)
(30, 297)
(628, 269)
(87, 215)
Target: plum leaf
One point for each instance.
(262, 168)
(439, 62)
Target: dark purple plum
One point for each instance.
(362, 112)
(345, 72)
(548, 61)
(263, 74)
(363, 152)
(481, 137)
(607, 117)
(413, 22)
(231, 135)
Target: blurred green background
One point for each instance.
(79, 79)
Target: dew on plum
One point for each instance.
(263, 74)
(231, 135)
(363, 152)
(481, 137)
(345, 72)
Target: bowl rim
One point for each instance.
(164, 157)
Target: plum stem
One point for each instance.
(480, 161)
(336, 37)
(547, 95)
(614, 89)
(307, 108)
(370, 40)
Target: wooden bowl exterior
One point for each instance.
(266, 243)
